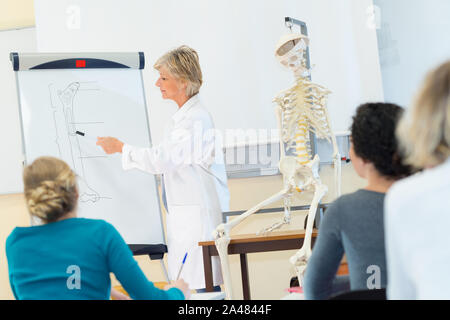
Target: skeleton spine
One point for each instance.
(302, 147)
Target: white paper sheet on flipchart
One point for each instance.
(109, 102)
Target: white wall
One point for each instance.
(15, 14)
(235, 40)
(10, 133)
(413, 37)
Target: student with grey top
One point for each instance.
(353, 224)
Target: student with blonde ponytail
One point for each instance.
(67, 257)
(50, 190)
(417, 214)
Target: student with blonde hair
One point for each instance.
(417, 214)
(67, 257)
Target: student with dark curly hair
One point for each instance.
(353, 224)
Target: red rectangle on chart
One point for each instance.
(80, 63)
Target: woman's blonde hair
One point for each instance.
(183, 64)
(424, 131)
(50, 188)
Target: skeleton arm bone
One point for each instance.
(336, 160)
(318, 97)
(227, 227)
(330, 136)
(337, 166)
(278, 113)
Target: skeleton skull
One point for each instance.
(290, 52)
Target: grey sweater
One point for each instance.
(353, 224)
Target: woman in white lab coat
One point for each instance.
(191, 162)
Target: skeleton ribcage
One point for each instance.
(304, 111)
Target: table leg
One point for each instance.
(245, 279)
(207, 265)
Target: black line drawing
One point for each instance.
(68, 141)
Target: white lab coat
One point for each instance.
(191, 161)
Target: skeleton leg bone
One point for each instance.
(300, 259)
(286, 219)
(222, 241)
(222, 238)
(288, 167)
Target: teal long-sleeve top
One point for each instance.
(72, 259)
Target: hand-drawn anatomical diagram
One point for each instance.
(301, 109)
(62, 102)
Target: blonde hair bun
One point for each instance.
(50, 188)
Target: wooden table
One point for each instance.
(251, 243)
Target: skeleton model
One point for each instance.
(300, 110)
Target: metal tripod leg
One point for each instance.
(164, 270)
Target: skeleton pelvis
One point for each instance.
(288, 166)
(292, 172)
(300, 176)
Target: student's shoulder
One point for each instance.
(344, 205)
(20, 234)
(419, 184)
(98, 229)
(334, 209)
(404, 189)
(95, 224)
(345, 200)
(11, 239)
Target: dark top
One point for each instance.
(353, 224)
